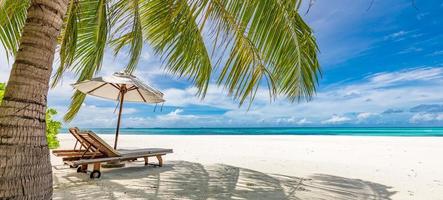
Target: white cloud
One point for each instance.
(422, 15)
(145, 55)
(397, 35)
(95, 116)
(420, 117)
(373, 95)
(303, 121)
(410, 50)
(439, 117)
(175, 112)
(403, 35)
(336, 119)
(176, 116)
(415, 74)
(367, 99)
(287, 120)
(215, 97)
(365, 115)
(426, 117)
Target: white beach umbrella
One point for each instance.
(120, 87)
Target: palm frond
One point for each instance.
(68, 40)
(299, 82)
(170, 27)
(12, 19)
(92, 36)
(268, 42)
(125, 18)
(76, 103)
(253, 42)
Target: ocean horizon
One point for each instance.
(350, 131)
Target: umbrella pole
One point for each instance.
(117, 164)
(122, 92)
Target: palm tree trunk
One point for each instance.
(25, 168)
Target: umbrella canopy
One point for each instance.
(120, 87)
(110, 87)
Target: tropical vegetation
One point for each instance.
(239, 44)
(52, 128)
(2, 91)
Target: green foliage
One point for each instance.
(172, 29)
(83, 41)
(2, 91)
(242, 44)
(12, 19)
(52, 129)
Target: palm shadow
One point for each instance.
(189, 180)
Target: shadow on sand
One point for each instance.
(188, 180)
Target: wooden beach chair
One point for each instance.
(99, 152)
(82, 149)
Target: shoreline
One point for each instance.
(282, 131)
(408, 166)
(271, 135)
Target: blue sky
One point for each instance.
(381, 67)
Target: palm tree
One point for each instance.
(244, 44)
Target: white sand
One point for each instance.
(267, 167)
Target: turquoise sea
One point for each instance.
(276, 131)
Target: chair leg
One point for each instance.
(97, 166)
(146, 160)
(160, 161)
(96, 172)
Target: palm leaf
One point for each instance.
(92, 34)
(170, 27)
(68, 40)
(253, 42)
(12, 19)
(269, 41)
(76, 103)
(125, 18)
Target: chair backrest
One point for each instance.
(99, 144)
(75, 132)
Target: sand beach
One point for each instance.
(266, 167)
